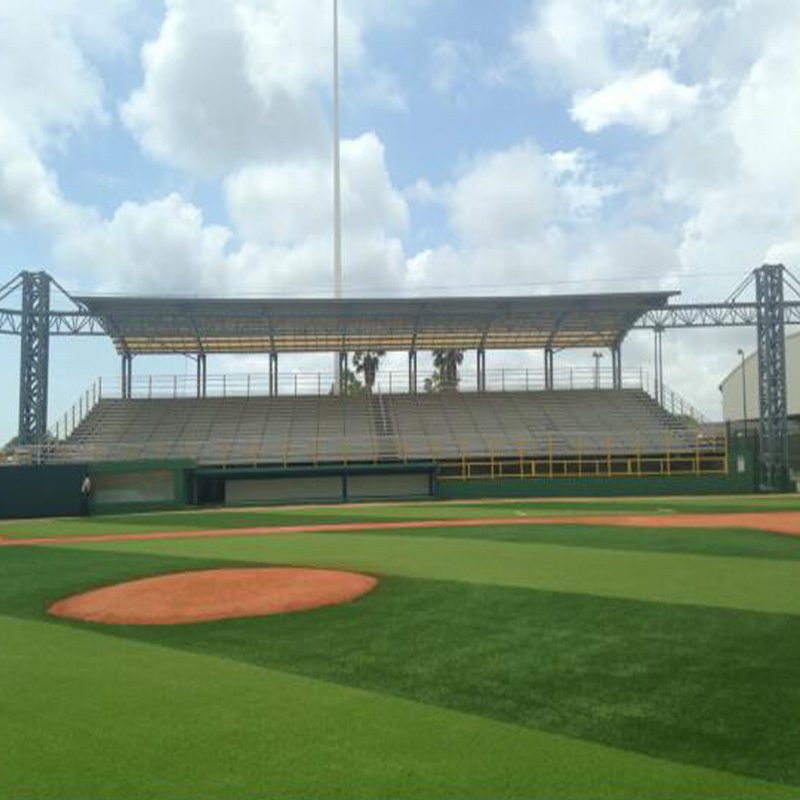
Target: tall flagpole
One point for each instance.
(337, 179)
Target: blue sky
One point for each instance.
(507, 147)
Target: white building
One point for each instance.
(734, 387)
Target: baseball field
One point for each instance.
(529, 649)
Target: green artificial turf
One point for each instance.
(703, 686)
(90, 716)
(748, 584)
(504, 661)
(698, 541)
(231, 519)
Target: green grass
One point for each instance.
(705, 686)
(502, 661)
(91, 716)
(698, 541)
(231, 519)
(746, 584)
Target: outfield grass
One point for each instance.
(391, 512)
(498, 661)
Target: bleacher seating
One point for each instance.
(362, 428)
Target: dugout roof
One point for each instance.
(142, 326)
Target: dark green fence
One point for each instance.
(48, 491)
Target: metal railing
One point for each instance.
(465, 457)
(318, 384)
(153, 387)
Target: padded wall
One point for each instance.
(152, 486)
(284, 490)
(375, 487)
(52, 491)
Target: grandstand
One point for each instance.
(154, 440)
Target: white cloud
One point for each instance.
(229, 83)
(515, 194)
(652, 101)
(744, 208)
(506, 195)
(49, 89)
(47, 80)
(162, 246)
(567, 41)
(284, 212)
(29, 193)
(287, 203)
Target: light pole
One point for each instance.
(337, 185)
(597, 356)
(744, 390)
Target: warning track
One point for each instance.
(774, 522)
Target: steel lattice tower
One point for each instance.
(773, 426)
(34, 357)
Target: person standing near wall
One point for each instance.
(86, 491)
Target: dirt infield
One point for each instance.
(785, 522)
(192, 597)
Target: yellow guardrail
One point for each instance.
(473, 457)
(707, 456)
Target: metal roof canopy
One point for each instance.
(153, 326)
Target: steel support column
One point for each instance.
(658, 387)
(549, 369)
(616, 361)
(34, 357)
(773, 422)
(481, 370)
(412, 371)
(343, 370)
(202, 375)
(273, 374)
(127, 376)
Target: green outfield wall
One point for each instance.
(47, 491)
(125, 487)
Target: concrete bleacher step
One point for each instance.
(380, 428)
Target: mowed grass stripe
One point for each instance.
(243, 518)
(91, 716)
(736, 583)
(695, 541)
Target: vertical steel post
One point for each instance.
(773, 422)
(616, 361)
(34, 357)
(549, 365)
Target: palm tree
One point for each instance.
(445, 376)
(367, 363)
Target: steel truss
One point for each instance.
(712, 315)
(769, 314)
(773, 424)
(34, 357)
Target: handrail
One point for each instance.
(387, 382)
(581, 445)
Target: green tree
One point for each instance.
(445, 375)
(367, 363)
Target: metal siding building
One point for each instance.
(733, 389)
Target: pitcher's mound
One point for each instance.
(192, 597)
